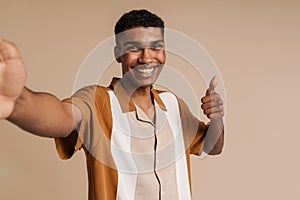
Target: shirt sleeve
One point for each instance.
(194, 130)
(84, 99)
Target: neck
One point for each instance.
(138, 94)
(142, 97)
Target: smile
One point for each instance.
(145, 71)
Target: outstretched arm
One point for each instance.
(212, 106)
(44, 114)
(39, 113)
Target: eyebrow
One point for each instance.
(131, 43)
(158, 41)
(138, 43)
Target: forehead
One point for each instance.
(141, 34)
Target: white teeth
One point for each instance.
(145, 71)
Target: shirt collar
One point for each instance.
(126, 103)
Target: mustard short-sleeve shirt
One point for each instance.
(128, 155)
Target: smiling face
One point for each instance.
(141, 51)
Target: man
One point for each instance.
(137, 140)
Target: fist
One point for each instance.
(212, 104)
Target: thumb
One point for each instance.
(212, 85)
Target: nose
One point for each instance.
(146, 56)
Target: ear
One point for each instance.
(117, 54)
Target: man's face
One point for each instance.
(141, 51)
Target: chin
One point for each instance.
(144, 84)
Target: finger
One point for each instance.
(211, 97)
(206, 99)
(212, 104)
(216, 115)
(214, 109)
(6, 109)
(213, 84)
(1, 46)
(8, 50)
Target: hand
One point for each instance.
(212, 104)
(12, 77)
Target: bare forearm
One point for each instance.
(41, 114)
(214, 140)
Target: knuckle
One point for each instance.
(221, 101)
(221, 107)
(202, 99)
(205, 99)
(214, 94)
(211, 116)
(208, 105)
(12, 44)
(206, 111)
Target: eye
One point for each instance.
(157, 46)
(133, 48)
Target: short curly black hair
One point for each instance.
(138, 18)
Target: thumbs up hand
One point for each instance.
(212, 104)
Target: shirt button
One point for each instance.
(162, 193)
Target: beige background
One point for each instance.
(256, 46)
